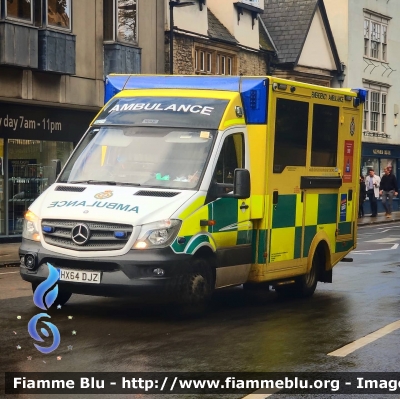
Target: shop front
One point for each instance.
(34, 142)
(377, 157)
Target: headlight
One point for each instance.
(157, 235)
(31, 227)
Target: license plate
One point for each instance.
(80, 276)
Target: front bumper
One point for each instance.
(125, 275)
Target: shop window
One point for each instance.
(369, 163)
(20, 9)
(385, 162)
(325, 135)
(291, 128)
(31, 169)
(120, 21)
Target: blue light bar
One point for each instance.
(225, 83)
(254, 91)
(113, 85)
(362, 94)
(255, 100)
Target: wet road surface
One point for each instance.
(242, 331)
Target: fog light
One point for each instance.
(30, 261)
(158, 272)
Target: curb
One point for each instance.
(9, 265)
(377, 222)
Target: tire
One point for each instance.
(304, 286)
(307, 284)
(192, 291)
(62, 297)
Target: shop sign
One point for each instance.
(43, 123)
(381, 152)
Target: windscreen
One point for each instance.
(203, 113)
(141, 156)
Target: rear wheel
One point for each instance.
(62, 297)
(304, 286)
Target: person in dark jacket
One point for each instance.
(389, 188)
(362, 197)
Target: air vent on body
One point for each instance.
(145, 193)
(71, 189)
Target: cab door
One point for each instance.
(232, 229)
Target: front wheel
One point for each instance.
(193, 290)
(62, 297)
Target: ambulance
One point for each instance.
(187, 184)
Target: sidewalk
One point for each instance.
(381, 218)
(9, 252)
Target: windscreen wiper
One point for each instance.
(108, 183)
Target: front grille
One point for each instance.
(165, 194)
(71, 189)
(101, 237)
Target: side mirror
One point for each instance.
(240, 189)
(241, 184)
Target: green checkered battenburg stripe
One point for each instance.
(284, 217)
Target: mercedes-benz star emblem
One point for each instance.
(80, 234)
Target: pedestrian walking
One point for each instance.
(388, 189)
(362, 197)
(372, 183)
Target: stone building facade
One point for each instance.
(204, 45)
(245, 62)
(306, 49)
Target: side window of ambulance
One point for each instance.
(291, 127)
(230, 158)
(325, 135)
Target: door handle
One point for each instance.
(244, 206)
